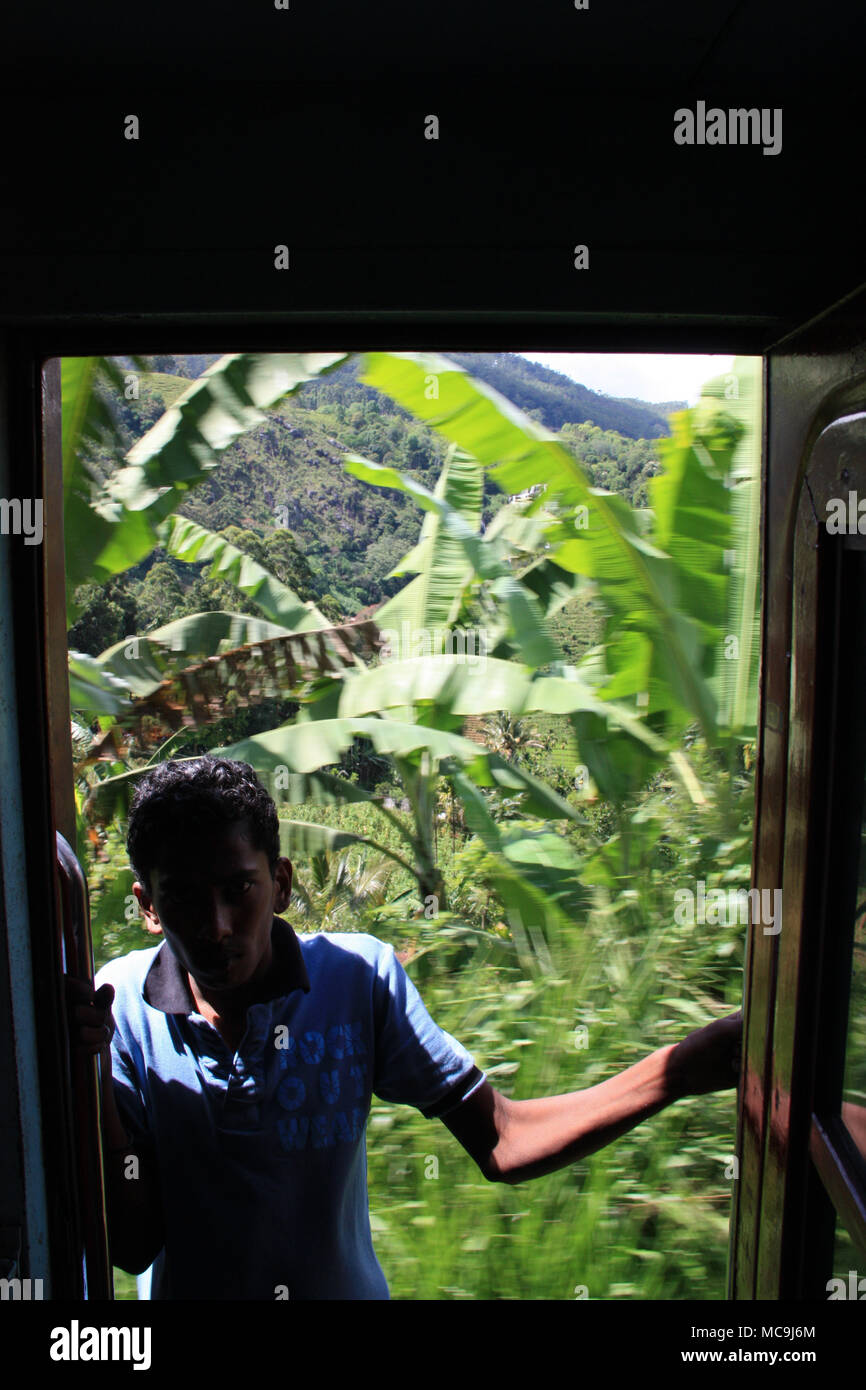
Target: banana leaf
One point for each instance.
(187, 541)
(660, 655)
(435, 597)
(95, 690)
(739, 395)
(423, 605)
(480, 685)
(143, 662)
(111, 524)
(303, 839)
(307, 747)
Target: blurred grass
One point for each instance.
(124, 1285)
(645, 1218)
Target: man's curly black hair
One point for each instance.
(198, 795)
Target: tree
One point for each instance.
(333, 890)
(658, 670)
(102, 620)
(158, 597)
(284, 558)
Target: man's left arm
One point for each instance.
(512, 1140)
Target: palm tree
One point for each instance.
(330, 892)
(509, 736)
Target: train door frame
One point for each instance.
(809, 379)
(799, 1169)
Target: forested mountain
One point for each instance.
(555, 400)
(550, 396)
(662, 409)
(333, 538)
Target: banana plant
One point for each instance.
(664, 591)
(435, 596)
(113, 520)
(659, 574)
(112, 523)
(737, 396)
(409, 708)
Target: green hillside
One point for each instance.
(556, 400)
(330, 536)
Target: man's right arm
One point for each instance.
(135, 1219)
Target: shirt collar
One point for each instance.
(166, 986)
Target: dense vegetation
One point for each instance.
(281, 493)
(526, 869)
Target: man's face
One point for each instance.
(214, 900)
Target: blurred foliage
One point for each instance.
(647, 1217)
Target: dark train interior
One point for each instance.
(291, 125)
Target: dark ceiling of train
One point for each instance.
(672, 40)
(304, 125)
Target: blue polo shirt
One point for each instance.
(261, 1154)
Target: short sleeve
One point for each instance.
(417, 1063)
